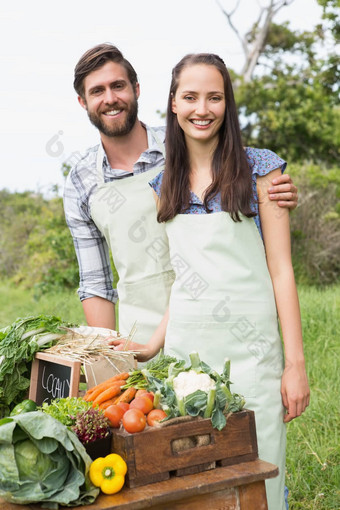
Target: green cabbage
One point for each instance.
(41, 461)
(32, 464)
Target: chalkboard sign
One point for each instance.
(53, 377)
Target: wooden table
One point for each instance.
(236, 487)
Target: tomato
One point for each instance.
(134, 420)
(124, 405)
(149, 395)
(114, 414)
(141, 392)
(155, 416)
(142, 403)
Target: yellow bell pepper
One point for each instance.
(108, 473)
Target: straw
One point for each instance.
(130, 336)
(87, 347)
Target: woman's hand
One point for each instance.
(294, 390)
(284, 192)
(154, 345)
(143, 352)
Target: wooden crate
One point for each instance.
(185, 448)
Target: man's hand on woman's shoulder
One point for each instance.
(284, 192)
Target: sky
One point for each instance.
(42, 124)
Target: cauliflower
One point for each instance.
(188, 382)
(195, 390)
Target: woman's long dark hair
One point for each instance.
(230, 169)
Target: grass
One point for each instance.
(16, 302)
(313, 452)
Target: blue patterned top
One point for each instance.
(261, 162)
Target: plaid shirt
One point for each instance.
(92, 251)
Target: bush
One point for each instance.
(315, 224)
(36, 245)
(20, 213)
(51, 259)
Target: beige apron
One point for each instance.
(124, 210)
(222, 305)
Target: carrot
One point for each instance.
(101, 387)
(97, 392)
(87, 396)
(107, 403)
(115, 378)
(111, 392)
(123, 375)
(126, 396)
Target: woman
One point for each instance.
(230, 282)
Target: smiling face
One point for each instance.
(110, 100)
(199, 102)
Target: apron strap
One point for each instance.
(100, 155)
(160, 144)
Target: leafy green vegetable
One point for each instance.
(42, 461)
(66, 409)
(32, 464)
(91, 425)
(209, 397)
(157, 367)
(88, 423)
(195, 402)
(18, 344)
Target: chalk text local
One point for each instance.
(58, 388)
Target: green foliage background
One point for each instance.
(315, 224)
(36, 248)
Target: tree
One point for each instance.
(287, 92)
(253, 42)
(288, 99)
(331, 14)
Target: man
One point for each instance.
(109, 205)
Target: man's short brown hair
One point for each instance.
(95, 58)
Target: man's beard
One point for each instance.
(117, 130)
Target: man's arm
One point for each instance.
(283, 191)
(99, 312)
(95, 286)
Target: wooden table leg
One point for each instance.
(253, 496)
